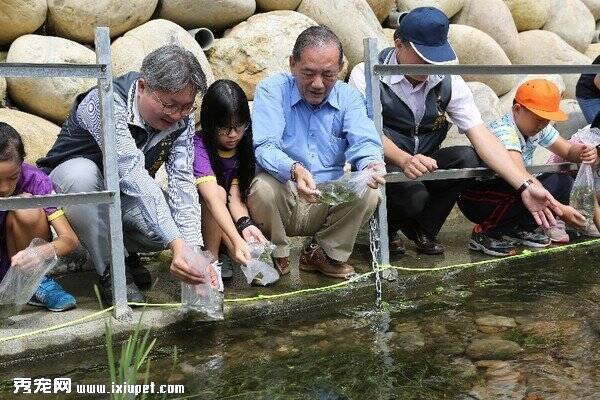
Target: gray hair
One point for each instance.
(317, 36)
(171, 68)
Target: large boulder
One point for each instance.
(274, 5)
(594, 7)
(593, 51)
(449, 7)
(550, 49)
(572, 21)
(351, 20)
(213, 14)
(38, 134)
(19, 17)
(473, 46)
(506, 101)
(486, 100)
(258, 47)
(530, 14)
(50, 98)
(494, 18)
(382, 8)
(2, 92)
(77, 20)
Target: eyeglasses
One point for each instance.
(226, 130)
(170, 109)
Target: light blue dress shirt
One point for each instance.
(287, 129)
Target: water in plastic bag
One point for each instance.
(583, 194)
(204, 298)
(260, 269)
(350, 187)
(20, 283)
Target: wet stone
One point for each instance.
(495, 324)
(493, 349)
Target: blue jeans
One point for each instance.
(589, 108)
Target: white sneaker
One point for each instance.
(557, 233)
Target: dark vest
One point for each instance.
(399, 122)
(74, 141)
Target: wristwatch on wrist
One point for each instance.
(293, 170)
(524, 186)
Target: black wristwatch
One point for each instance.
(243, 223)
(524, 186)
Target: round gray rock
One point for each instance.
(551, 49)
(274, 5)
(213, 14)
(493, 349)
(529, 14)
(351, 20)
(576, 119)
(594, 7)
(19, 17)
(486, 101)
(494, 324)
(129, 50)
(494, 18)
(3, 92)
(473, 46)
(77, 20)
(449, 7)
(50, 98)
(572, 21)
(38, 134)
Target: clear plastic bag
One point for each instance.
(583, 194)
(587, 135)
(350, 187)
(260, 269)
(205, 298)
(21, 282)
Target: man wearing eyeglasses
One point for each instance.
(306, 126)
(154, 124)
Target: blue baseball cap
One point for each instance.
(426, 29)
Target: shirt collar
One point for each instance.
(135, 118)
(522, 138)
(431, 80)
(296, 97)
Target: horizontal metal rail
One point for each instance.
(428, 69)
(463, 173)
(56, 200)
(31, 70)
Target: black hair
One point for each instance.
(317, 36)
(224, 105)
(11, 144)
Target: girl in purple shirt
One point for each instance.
(224, 167)
(19, 227)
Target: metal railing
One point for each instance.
(102, 71)
(373, 72)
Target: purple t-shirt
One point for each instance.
(35, 182)
(203, 171)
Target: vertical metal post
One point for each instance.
(111, 176)
(373, 97)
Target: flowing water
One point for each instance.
(528, 332)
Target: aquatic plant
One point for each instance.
(334, 193)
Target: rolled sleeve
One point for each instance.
(182, 194)
(268, 125)
(134, 179)
(364, 142)
(462, 109)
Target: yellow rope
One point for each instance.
(336, 286)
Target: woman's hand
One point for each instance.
(253, 234)
(33, 256)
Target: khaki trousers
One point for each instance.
(282, 213)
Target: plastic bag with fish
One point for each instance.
(583, 194)
(204, 298)
(20, 282)
(350, 187)
(260, 269)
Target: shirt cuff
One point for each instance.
(284, 170)
(364, 162)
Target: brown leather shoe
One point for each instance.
(427, 245)
(397, 246)
(314, 259)
(282, 265)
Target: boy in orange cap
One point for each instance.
(502, 220)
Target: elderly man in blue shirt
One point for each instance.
(306, 126)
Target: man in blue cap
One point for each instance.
(415, 125)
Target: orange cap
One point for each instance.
(541, 97)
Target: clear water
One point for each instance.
(417, 345)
